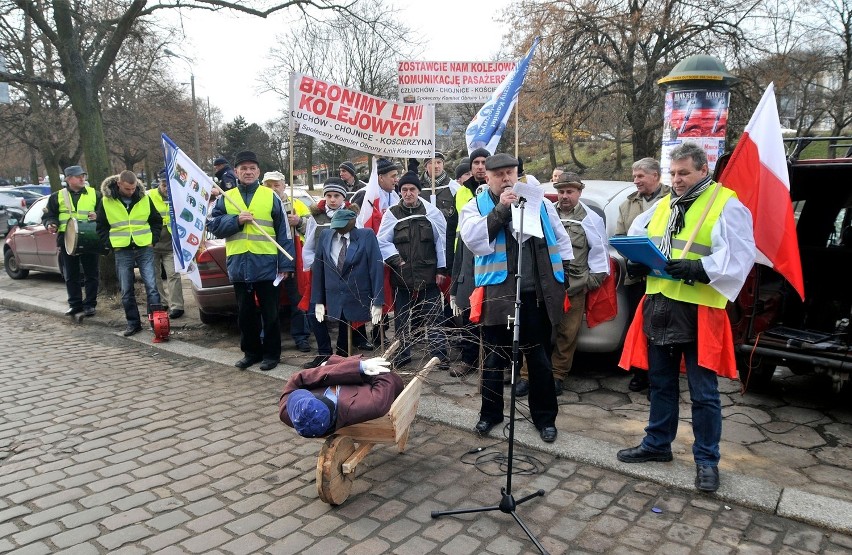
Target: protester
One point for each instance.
(586, 272)
(341, 392)
(486, 228)
(444, 198)
(81, 202)
(649, 189)
(129, 223)
(164, 259)
(297, 214)
(683, 320)
(557, 171)
(224, 174)
(350, 177)
(254, 261)
(347, 279)
(412, 241)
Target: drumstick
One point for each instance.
(262, 231)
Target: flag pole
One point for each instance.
(262, 231)
(700, 223)
(432, 162)
(517, 109)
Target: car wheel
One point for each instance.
(10, 262)
(207, 318)
(755, 372)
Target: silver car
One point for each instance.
(604, 197)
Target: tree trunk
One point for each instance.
(551, 150)
(580, 166)
(619, 154)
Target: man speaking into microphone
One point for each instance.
(487, 230)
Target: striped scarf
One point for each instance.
(679, 206)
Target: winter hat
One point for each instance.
(501, 160)
(274, 176)
(348, 166)
(334, 185)
(245, 156)
(161, 175)
(311, 416)
(569, 179)
(220, 162)
(478, 153)
(438, 154)
(410, 177)
(341, 218)
(384, 166)
(462, 169)
(73, 171)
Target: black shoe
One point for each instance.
(318, 360)
(557, 386)
(72, 311)
(366, 346)
(639, 381)
(706, 478)
(246, 361)
(89, 311)
(639, 455)
(484, 426)
(131, 330)
(268, 365)
(175, 313)
(444, 365)
(303, 346)
(522, 388)
(548, 434)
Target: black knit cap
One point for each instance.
(479, 153)
(245, 156)
(384, 166)
(462, 169)
(410, 177)
(220, 162)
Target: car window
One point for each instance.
(839, 235)
(36, 211)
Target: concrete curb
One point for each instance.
(755, 493)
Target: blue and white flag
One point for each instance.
(189, 203)
(487, 127)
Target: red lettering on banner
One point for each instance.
(307, 85)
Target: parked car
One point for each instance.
(29, 246)
(10, 207)
(40, 189)
(772, 326)
(29, 196)
(604, 197)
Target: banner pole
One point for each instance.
(517, 109)
(262, 231)
(432, 164)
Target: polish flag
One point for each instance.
(370, 214)
(757, 172)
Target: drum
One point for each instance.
(81, 237)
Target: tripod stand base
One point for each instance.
(507, 505)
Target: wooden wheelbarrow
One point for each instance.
(348, 446)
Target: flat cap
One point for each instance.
(501, 160)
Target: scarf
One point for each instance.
(679, 206)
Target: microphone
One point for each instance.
(521, 201)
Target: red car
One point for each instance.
(29, 246)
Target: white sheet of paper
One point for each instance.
(532, 209)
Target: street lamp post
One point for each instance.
(168, 52)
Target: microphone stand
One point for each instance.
(508, 503)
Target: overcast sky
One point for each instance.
(229, 51)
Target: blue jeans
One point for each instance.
(125, 260)
(664, 376)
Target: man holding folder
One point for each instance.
(706, 235)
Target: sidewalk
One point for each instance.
(788, 454)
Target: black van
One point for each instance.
(771, 324)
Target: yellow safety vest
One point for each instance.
(250, 239)
(124, 225)
(161, 206)
(85, 204)
(699, 293)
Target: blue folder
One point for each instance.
(641, 249)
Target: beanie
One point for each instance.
(478, 153)
(310, 415)
(245, 156)
(410, 177)
(462, 169)
(348, 166)
(334, 185)
(384, 166)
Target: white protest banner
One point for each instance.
(449, 82)
(360, 121)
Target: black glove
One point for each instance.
(689, 271)
(637, 269)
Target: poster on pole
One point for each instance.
(699, 116)
(449, 82)
(360, 121)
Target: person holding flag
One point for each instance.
(707, 235)
(164, 258)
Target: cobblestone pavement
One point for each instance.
(112, 446)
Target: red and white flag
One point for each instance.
(370, 215)
(757, 171)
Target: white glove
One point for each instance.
(454, 307)
(375, 366)
(376, 314)
(319, 311)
